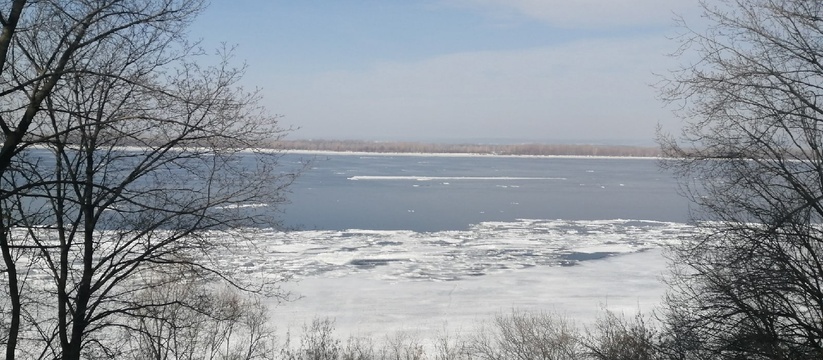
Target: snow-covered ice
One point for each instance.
(373, 282)
(363, 305)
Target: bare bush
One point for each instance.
(516, 335)
(402, 346)
(452, 347)
(198, 322)
(359, 348)
(317, 342)
(613, 337)
(524, 335)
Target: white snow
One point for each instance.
(375, 283)
(364, 305)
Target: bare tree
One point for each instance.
(122, 158)
(751, 156)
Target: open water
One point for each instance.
(434, 193)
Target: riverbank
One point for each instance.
(377, 147)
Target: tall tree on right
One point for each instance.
(750, 93)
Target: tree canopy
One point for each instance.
(125, 163)
(750, 156)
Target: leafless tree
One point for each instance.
(751, 156)
(122, 158)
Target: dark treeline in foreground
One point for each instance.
(490, 149)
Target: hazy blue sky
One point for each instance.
(455, 70)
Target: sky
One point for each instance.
(499, 71)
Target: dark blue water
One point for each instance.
(430, 193)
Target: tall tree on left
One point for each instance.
(124, 160)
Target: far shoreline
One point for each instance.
(528, 150)
(479, 155)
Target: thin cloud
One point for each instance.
(587, 89)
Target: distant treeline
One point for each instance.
(491, 149)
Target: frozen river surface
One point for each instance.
(363, 305)
(376, 281)
(423, 244)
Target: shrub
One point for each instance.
(614, 337)
(527, 336)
